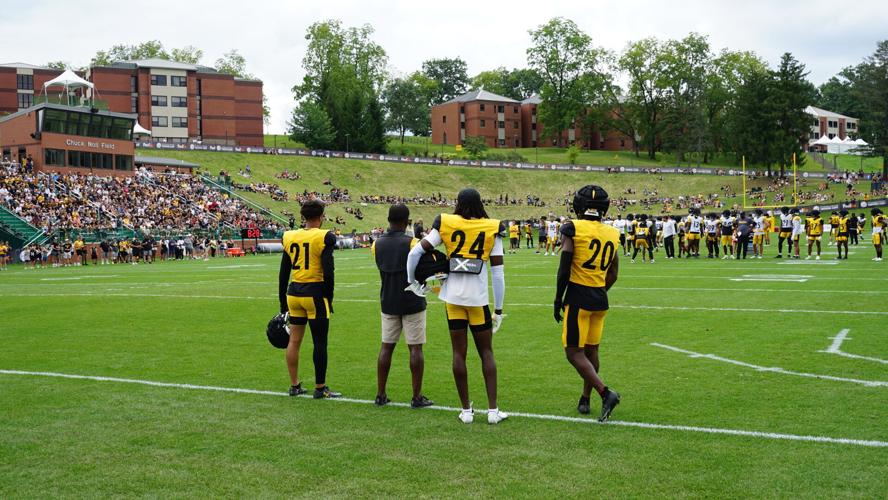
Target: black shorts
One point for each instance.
(541, 240)
(622, 239)
(514, 241)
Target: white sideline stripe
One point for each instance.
(617, 306)
(537, 416)
(80, 277)
(775, 369)
(236, 266)
(770, 279)
(694, 289)
(835, 348)
(696, 277)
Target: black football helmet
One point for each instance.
(431, 264)
(277, 332)
(591, 201)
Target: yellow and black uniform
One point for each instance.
(469, 244)
(880, 224)
(814, 228)
(3, 250)
(305, 282)
(514, 234)
(834, 224)
(842, 234)
(641, 234)
(586, 304)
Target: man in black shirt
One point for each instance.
(401, 310)
(744, 228)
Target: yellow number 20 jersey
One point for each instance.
(595, 251)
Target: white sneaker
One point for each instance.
(817, 258)
(632, 261)
(808, 258)
(494, 416)
(652, 261)
(546, 254)
(467, 416)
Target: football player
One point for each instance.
(758, 234)
(711, 229)
(842, 235)
(528, 233)
(797, 231)
(642, 239)
(305, 291)
(695, 228)
(552, 227)
(785, 233)
(630, 234)
(473, 243)
(726, 228)
(588, 269)
(814, 231)
(514, 237)
(880, 223)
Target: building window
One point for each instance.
(816, 123)
(462, 125)
(86, 159)
(159, 80)
(482, 122)
(123, 162)
(158, 121)
(24, 82)
(502, 142)
(482, 107)
(462, 109)
(832, 124)
(25, 100)
(500, 109)
(832, 135)
(444, 119)
(514, 124)
(852, 125)
(178, 102)
(54, 157)
(533, 126)
(501, 124)
(134, 104)
(533, 111)
(178, 81)
(515, 109)
(180, 122)
(133, 84)
(158, 100)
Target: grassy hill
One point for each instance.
(409, 180)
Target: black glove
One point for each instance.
(330, 304)
(557, 312)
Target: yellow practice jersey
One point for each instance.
(468, 238)
(843, 225)
(814, 225)
(641, 231)
(880, 221)
(595, 249)
(3, 250)
(834, 221)
(513, 231)
(305, 246)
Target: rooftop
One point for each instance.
(79, 109)
(481, 95)
(811, 110)
(163, 162)
(26, 66)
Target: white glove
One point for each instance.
(417, 288)
(497, 320)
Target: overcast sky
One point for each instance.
(825, 35)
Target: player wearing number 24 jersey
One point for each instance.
(305, 292)
(588, 269)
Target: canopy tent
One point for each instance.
(70, 81)
(822, 141)
(860, 142)
(140, 130)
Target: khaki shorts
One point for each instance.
(413, 325)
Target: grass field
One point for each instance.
(384, 178)
(855, 163)
(687, 427)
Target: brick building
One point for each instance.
(830, 124)
(178, 102)
(505, 122)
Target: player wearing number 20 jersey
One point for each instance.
(588, 269)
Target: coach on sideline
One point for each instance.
(401, 310)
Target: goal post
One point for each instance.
(793, 202)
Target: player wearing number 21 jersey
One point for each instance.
(305, 291)
(587, 270)
(473, 244)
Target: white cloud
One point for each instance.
(824, 35)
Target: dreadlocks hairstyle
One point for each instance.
(469, 205)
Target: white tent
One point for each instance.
(860, 142)
(835, 145)
(69, 81)
(140, 130)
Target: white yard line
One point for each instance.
(774, 369)
(535, 416)
(836, 348)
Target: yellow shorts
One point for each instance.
(813, 237)
(303, 309)
(581, 327)
(878, 239)
(726, 240)
(551, 241)
(757, 239)
(841, 238)
(785, 234)
(475, 317)
(693, 236)
(641, 243)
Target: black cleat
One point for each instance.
(296, 390)
(421, 402)
(325, 392)
(583, 405)
(609, 401)
(382, 400)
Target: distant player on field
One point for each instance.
(880, 223)
(305, 290)
(814, 231)
(552, 227)
(842, 235)
(514, 237)
(588, 268)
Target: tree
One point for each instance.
(517, 84)
(451, 76)
(644, 63)
(751, 119)
(495, 80)
(475, 145)
(234, 64)
(837, 94)
(311, 126)
(869, 83)
(57, 65)
(345, 74)
(792, 93)
(406, 105)
(686, 63)
(187, 54)
(151, 49)
(565, 58)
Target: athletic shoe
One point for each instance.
(467, 416)
(494, 416)
(808, 258)
(609, 401)
(297, 390)
(778, 256)
(817, 258)
(652, 261)
(632, 261)
(382, 400)
(325, 392)
(583, 405)
(421, 402)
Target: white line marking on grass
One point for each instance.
(775, 369)
(695, 289)
(836, 348)
(790, 280)
(236, 266)
(80, 277)
(616, 306)
(536, 416)
(808, 263)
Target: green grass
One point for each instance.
(281, 141)
(202, 323)
(384, 178)
(854, 163)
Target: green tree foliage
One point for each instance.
(406, 105)
(791, 94)
(644, 62)
(451, 76)
(837, 94)
(56, 65)
(869, 84)
(517, 84)
(345, 74)
(751, 119)
(187, 54)
(568, 63)
(311, 125)
(475, 146)
(686, 63)
(152, 49)
(234, 64)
